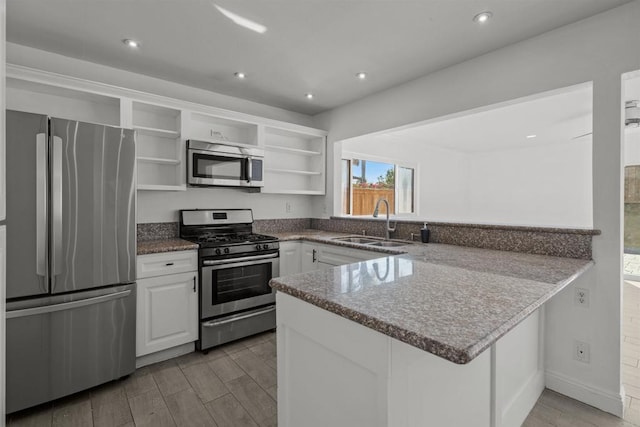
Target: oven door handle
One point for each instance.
(214, 323)
(237, 260)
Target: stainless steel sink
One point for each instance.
(386, 244)
(360, 240)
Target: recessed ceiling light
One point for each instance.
(242, 21)
(482, 17)
(308, 95)
(531, 136)
(131, 43)
(240, 75)
(361, 75)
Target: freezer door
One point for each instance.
(26, 178)
(92, 205)
(68, 343)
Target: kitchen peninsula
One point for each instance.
(442, 335)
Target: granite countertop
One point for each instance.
(147, 247)
(451, 301)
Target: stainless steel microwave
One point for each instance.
(212, 164)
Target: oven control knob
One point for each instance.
(258, 247)
(265, 247)
(218, 251)
(226, 250)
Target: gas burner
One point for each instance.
(224, 232)
(209, 240)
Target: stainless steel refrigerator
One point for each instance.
(71, 251)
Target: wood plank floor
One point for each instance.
(235, 386)
(232, 386)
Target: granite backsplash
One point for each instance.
(563, 242)
(157, 231)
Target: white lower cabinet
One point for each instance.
(370, 379)
(308, 257)
(167, 308)
(300, 257)
(290, 257)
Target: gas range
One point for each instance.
(235, 266)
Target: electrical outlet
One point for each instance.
(581, 351)
(581, 297)
(287, 207)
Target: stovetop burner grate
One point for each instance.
(217, 229)
(214, 239)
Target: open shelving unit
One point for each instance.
(204, 127)
(294, 162)
(295, 155)
(160, 147)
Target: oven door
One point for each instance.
(207, 168)
(236, 284)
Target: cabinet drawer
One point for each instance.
(166, 263)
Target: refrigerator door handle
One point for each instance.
(56, 208)
(41, 205)
(66, 305)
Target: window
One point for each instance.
(366, 181)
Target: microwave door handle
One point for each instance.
(249, 169)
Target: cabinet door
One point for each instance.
(167, 313)
(290, 258)
(308, 257)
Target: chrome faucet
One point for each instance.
(388, 228)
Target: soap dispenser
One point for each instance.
(424, 234)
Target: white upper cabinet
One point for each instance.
(294, 162)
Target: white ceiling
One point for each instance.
(555, 118)
(311, 46)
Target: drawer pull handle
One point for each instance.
(168, 264)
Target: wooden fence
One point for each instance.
(632, 184)
(364, 200)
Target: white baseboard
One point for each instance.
(612, 403)
(163, 355)
(517, 409)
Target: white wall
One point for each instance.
(163, 206)
(547, 186)
(598, 49)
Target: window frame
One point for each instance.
(351, 155)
